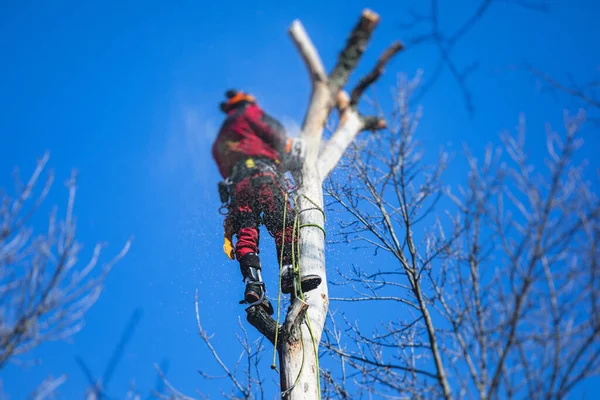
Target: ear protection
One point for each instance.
(235, 98)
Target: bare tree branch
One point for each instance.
(308, 52)
(502, 293)
(377, 71)
(44, 293)
(48, 387)
(174, 393)
(429, 28)
(206, 338)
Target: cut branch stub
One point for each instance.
(265, 324)
(369, 122)
(373, 123)
(355, 47)
(294, 319)
(342, 102)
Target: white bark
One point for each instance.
(312, 262)
(299, 364)
(339, 142)
(308, 52)
(298, 349)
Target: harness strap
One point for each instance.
(252, 166)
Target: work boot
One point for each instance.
(254, 294)
(307, 282)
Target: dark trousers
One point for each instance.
(260, 199)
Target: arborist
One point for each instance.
(253, 153)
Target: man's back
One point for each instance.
(247, 132)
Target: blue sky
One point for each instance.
(127, 93)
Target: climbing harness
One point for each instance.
(224, 195)
(241, 170)
(259, 170)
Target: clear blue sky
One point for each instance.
(128, 93)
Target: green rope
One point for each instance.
(273, 364)
(298, 287)
(299, 283)
(315, 226)
(317, 207)
(316, 349)
(285, 392)
(296, 250)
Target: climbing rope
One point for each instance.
(298, 286)
(297, 266)
(273, 364)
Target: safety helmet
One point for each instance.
(235, 98)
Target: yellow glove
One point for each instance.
(228, 248)
(228, 234)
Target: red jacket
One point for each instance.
(247, 132)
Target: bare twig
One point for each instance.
(429, 27)
(48, 387)
(175, 394)
(205, 337)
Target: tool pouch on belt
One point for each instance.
(224, 190)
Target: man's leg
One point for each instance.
(273, 203)
(246, 248)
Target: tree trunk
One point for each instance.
(299, 338)
(299, 359)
